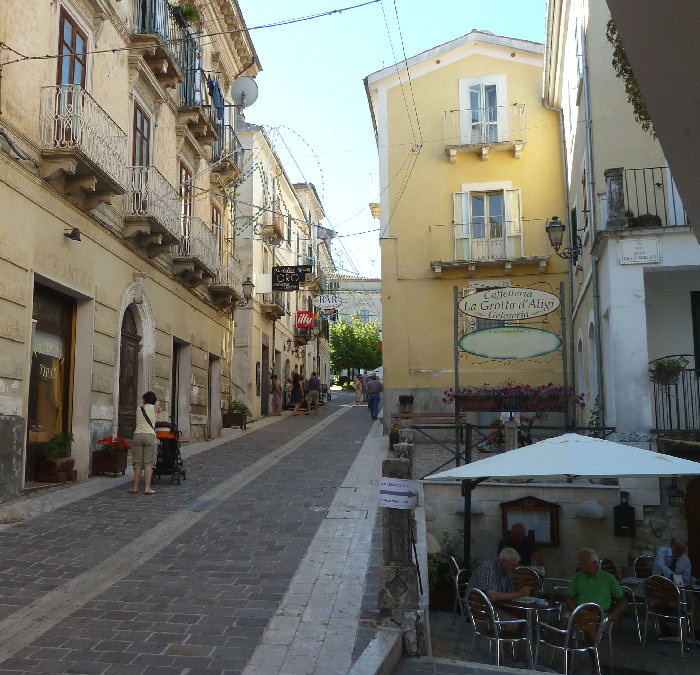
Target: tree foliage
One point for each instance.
(355, 345)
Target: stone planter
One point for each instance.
(229, 420)
(57, 470)
(108, 462)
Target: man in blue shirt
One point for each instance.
(672, 560)
(313, 393)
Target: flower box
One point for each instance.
(234, 420)
(104, 461)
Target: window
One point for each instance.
(483, 112)
(216, 227)
(487, 225)
(186, 195)
(364, 315)
(142, 125)
(71, 50)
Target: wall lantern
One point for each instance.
(555, 232)
(248, 287)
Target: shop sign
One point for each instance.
(288, 277)
(305, 319)
(509, 304)
(510, 342)
(326, 302)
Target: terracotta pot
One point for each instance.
(108, 462)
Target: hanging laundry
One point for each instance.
(218, 98)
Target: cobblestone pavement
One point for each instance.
(193, 579)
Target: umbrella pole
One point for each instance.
(467, 486)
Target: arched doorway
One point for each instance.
(128, 375)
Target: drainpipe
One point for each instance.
(598, 349)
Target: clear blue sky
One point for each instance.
(312, 98)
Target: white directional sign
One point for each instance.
(396, 493)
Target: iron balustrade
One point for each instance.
(227, 146)
(275, 298)
(502, 240)
(149, 194)
(651, 198)
(229, 273)
(199, 242)
(677, 404)
(484, 126)
(71, 119)
(157, 17)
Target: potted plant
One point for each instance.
(394, 436)
(110, 456)
(440, 580)
(236, 414)
(57, 465)
(667, 369)
(187, 11)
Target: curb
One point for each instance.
(382, 654)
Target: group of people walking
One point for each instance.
(368, 392)
(309, 390)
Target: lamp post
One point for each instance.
(248, 287)
(555, 232)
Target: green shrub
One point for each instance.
(60, 445)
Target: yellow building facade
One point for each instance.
(470, 166)
(118, 275)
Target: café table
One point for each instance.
(530, 607)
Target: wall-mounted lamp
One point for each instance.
(555, 231)
(73, 234)
(289, 344)
(248, 287)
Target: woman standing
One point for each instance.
(276, 395)
(144, 448)
(297, 392)
(359, 385)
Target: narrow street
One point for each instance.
(256, 563)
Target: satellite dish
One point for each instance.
(244, 91)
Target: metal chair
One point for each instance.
(488, 625)
(460, 577)
(526, 576)
(643, 566)
(665, 601)
(633, 601)
(588, 617)
(554, 589)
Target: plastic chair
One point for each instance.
(664, 601)
(643, 566)
(487, 625)
(588, 617)
(526, 576)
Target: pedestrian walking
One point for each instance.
(374, 389)
(359, 386)
(144, 448)
(313, 394)
(276, 395)
(297, 392)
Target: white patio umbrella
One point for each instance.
(571, 455)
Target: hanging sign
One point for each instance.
(327, 302)
(509, 304)
(510, 342)
(288, 277)
(305, 319)
(396, 493)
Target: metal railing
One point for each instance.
(198, 241)
(229, 273)
(149, 194)
(227, 146)
(275, 298)
(508, 240)
(651, 198)
(157, 17)
(71, 119)
(677, 403)
(483, 126)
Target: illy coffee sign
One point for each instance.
(305, 319)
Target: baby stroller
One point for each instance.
(169, 459)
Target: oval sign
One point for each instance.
(510, 342)
(327, 302)
(509, 304)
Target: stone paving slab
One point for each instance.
(197, 587)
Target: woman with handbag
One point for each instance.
(144, 448)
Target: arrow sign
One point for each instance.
(395, 493)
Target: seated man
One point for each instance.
(672, 560)
(591, 584)
(524, 545)
(495, 577)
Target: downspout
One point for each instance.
(593, 210)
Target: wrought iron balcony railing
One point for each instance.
(227, 148)
(157, 17)
(476, 129)
(677, 401)
(200, 244)
(501, 241)
(151, 198)
(72, 122)
(229, 274)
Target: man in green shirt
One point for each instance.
(591, 584)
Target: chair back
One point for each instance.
(481, 611)
(662, 591)
(608, 565)
(454, 567)
(526, 576)
(643, 566)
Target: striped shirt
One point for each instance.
(490, 577)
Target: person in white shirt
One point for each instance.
(144, 448)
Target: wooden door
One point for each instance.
(692, 514)
(128, 376)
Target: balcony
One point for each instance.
(273, 224)
(273, 305)
(501, 244)
(677, 402)
(226, 151)
(302, 336)
(481, 130)
(151, 210)
(642, 199)
(159, 35)
(226, 287)
(194, 111)
(84, 151)
(196, 259)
